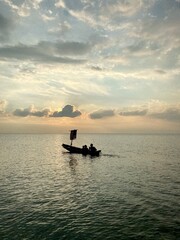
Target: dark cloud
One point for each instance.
(42, 113)
(101, 114)
(160, 71)
(6, 26)
(96, 68)
(72, 48)
(170, 114)
(60, 52)
(134, 113)
(67, 111)
(21, 112)
(30, 112)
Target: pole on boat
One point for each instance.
(73, 135)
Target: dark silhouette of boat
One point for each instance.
(78, 150)
(73, 149)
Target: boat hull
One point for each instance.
(73, 149)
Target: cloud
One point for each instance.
(61, 28)
(31, 111)
(26, 68)
(164, 28)
(138, 46)
(47, 52)
(155, 109)
(23, 9)
(142, 48)
(72, 48)
(102, 114)
(6, 26)
(100, 13)
(3, 105)
(155, 35)
(96, 68)
(170, 114)
(118, 8)
(47, 18)
(160, 71)
(116, 59)
(60, 4)
(67, 111)
(134, 113)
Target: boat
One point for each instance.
(78, 150)
(72, 149)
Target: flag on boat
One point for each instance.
(73, 134)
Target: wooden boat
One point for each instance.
(73, 149)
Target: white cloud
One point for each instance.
(60, 4)
(23, 9)
(61, 28)
(3, 105)
(116, 8)
(47, 18)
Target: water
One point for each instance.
(130, 192)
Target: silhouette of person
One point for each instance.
(92, 149)
(85, 150)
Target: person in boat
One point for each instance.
(92, 149)
(85, 150)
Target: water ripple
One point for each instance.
(132, 193)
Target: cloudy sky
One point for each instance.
(94, 65)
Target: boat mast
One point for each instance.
(73, 134)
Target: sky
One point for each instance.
(99, 66)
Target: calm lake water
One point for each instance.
(130, 192)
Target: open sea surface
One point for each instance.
(130, 192)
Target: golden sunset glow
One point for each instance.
(99, 66)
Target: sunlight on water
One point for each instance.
(130, 192)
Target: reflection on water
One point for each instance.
(111, 155)
(130, 192)
(73, 161)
